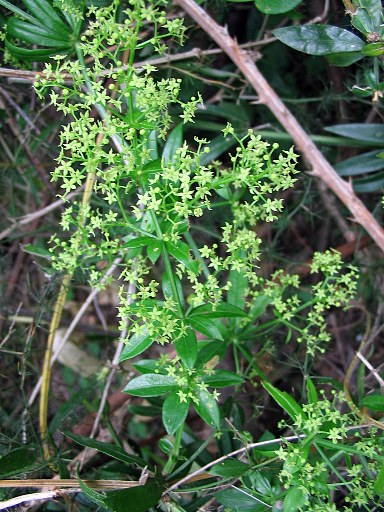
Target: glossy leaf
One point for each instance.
(151, 384)
(319, 39)
(206, 326)
(112, 450)
(286, 401)
(174, 412)
(154, 250)
(23, 15)
(375, 402)
(136, 345)
(135, 499)
(186, 348)
(361, 164)
(174, 142)
(139, 241)
(147, 366)
(373, 132)
(18, 461)
(238, 500)
(367, 17)
(229, 468)
(344, 59)
(37, 35)
(371, 183)
(223, 378)
(276, 6)
(221, 310)
(311, 391)
(217, 146)
(207, 408)
(32, 55)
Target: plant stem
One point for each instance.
(176, 449)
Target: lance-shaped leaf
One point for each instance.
(151, 384)
(174, 412)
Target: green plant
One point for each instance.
(146, 191)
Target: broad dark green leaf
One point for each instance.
(367, 17)
(360, 131)
(259, 305)
(319, 39)
(229, 468)
(223, 378)
(181, 253)
(109, 449)
(174, 412)
(276, 6)
(147, 366)
(136, 345)
(150, 384)
(154, 250)
(36, 250)
(23, 15)
(18, 461)
(208, 409)
(286, 401)
(344, 59)
(361, 164)
(295, 499)
(375, 402)
(220, 310)
(186, 348)
(135, 499)
(209, 351)
(238, 500)
(371, 183)
(206, 326)
(174, 142)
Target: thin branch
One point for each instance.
(321, 168)
(73, 325)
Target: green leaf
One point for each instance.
(223, 378)
(180, 252)
(276, 6)
(311, 391)
(360, 131)
(151, 384)
(147, 366)
(344, 59)
(33, 55)
(23, 15)
(259, 305)
(186, 348)
(371, 183)
(220, 310)
(295, 499)
(154, 250)
(137, 499)
(238, 500)
(378, 487)
(36, 250)
(375, 402)
(239, 283)
(140, 241)
(37, 35)
(206, 326)
(18, 461)
(217, 146)
(207, 408)
(209, 351)
(229, 468)
(286, 402)
(361, 164)
(109, 449)
(136, 345)
(47, 15)
(174, 412)
(319, 39)
(167, 289)
(367, 18)
(174, 142)
(90, 493)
